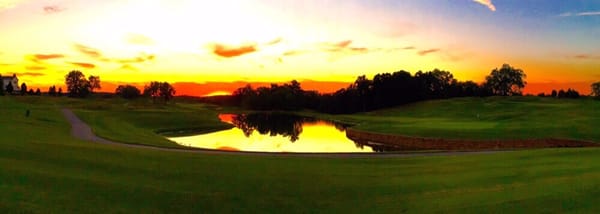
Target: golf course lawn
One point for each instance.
(486, 118)
(44, 169)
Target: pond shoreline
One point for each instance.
(421, 143)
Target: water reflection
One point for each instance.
(276, 133)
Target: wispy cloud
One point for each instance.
(50, 9)
(142, 57)
(89, 51)
(83, 65)
(487, 3)
(428, 51)
(588, 13)
(275, 41)
(47, 56)
(233, 51)
(586, 57)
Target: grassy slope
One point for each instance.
(138, 122)
(487, 118)
(45, 170)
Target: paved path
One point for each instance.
(82, 131)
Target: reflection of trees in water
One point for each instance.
(273, 124)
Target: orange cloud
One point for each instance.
(343, 44)
(39, 57)
(83, 65)
(425, 52)
(89, 51)
(229, 52)
(487, 3)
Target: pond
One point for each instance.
(275, 132)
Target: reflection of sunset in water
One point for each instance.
(315, 137)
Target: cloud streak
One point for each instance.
(487, 3)
(233, 51)
(429, 51)
(50, 9)
(83, 65)
(47, 56)
(588, 13)
(89, 51)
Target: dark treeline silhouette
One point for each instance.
(384, 90)
(569, 93)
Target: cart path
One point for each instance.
(80, 130)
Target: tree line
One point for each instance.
(384, 90)
(79, 86)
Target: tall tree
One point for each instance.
(128, 91)
(23, 89)
(152, 90)
(166, 91)
(94, 83)
(596, 89)
(506, 81)
(9, 88)
(77, 84)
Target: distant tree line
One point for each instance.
(569, 93)
(384, 90)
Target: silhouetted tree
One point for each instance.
(128, 91)
(152, 90)
(166, 91)
(569, 93)
(38, 92)
(156, 89)
(596, 90)
(506, 81)
(1, 86)
(23, 89)
(9, 88)
(59, 92)
(52, 91)
(30, 92)
(77, 84)
(554, 93)
(94, 83)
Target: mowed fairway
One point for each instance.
(488, 118)
(44, 170)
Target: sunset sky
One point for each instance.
(556, 42)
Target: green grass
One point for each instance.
(486, 118)
(44, 170)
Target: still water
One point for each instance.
(275, 133)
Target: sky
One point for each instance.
(210, 42)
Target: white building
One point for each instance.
(14, 80)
